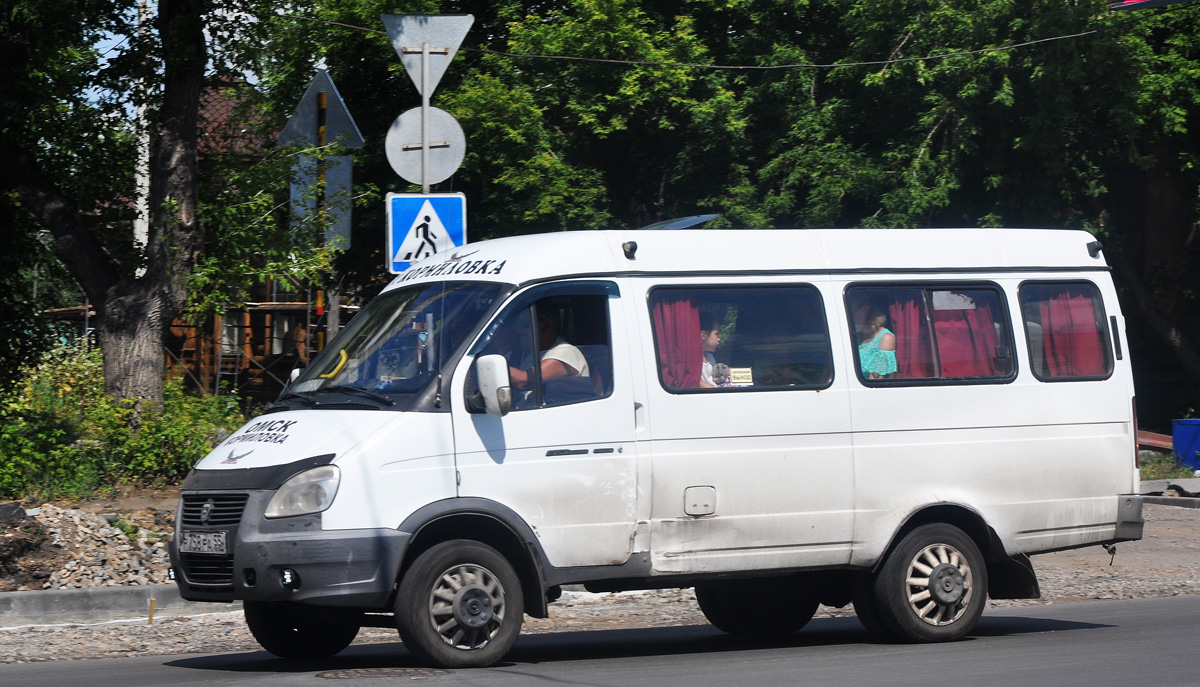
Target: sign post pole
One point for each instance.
(425, 146)
(425, 118)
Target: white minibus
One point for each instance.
(895, 419)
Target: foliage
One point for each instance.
(1031, 135)
(62, 435)
(32, 281)
(252, 232)
(76, 72)
(907, 113)
(1163, 466)
(913, 113)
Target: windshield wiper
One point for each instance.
(347, 389)
(289, 395)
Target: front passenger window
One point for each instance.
(557, 345)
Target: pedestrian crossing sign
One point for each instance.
(420, 225)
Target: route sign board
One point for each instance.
(321, 117)
(308, 118)
(420, 225)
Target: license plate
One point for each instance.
(202, 542)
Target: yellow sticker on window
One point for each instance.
(741, 376)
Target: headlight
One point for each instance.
(311, 491)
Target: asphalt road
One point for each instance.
(1137, 641)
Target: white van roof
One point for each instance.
(521, 259)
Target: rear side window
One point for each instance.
(720, 339)
(915, 333)
(1065, 327)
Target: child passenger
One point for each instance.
(710, 339)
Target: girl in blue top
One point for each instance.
(877, 348)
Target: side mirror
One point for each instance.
(295, 374)
(494, 384)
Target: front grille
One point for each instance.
(208, 573)
(226, 509)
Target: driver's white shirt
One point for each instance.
(568, 355)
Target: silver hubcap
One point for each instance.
(940, 584)
(466, 606)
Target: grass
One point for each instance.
(1164, 466)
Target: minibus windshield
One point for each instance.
(399, 341)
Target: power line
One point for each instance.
(733, 67)
(797, 65)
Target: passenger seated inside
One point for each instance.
(712, 373)
(876, 347)
(558, 358)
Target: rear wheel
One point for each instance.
(867, 609)
(760, 607)
(460, 606)
(295, 632)
(933, 586)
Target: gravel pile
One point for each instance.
(102, 555)
(1164, 563)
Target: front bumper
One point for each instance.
(346, 568)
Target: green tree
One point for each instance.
(71, 143)
(933, 114)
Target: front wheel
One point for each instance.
(933, 586)
(298, 632)
(460, 606)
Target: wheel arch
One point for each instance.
(1009, 577)
(489, 523)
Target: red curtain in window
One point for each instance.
(677, 331)
(966, 341)
(1071, 336)
(912, 340)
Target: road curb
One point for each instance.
(100, 604)
(1179, 501)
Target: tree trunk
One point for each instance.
(1167, 222)
(130, 333)
(139, 310)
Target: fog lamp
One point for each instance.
(290, 579)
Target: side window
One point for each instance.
(558, 345)
(1064, 325)
(908, 333)
(712, 339)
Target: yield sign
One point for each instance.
(443, 33)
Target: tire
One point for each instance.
(460, 605)
(932, 586)
(709, 599)
(768, 607)
(298, 632)
(867, 610)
